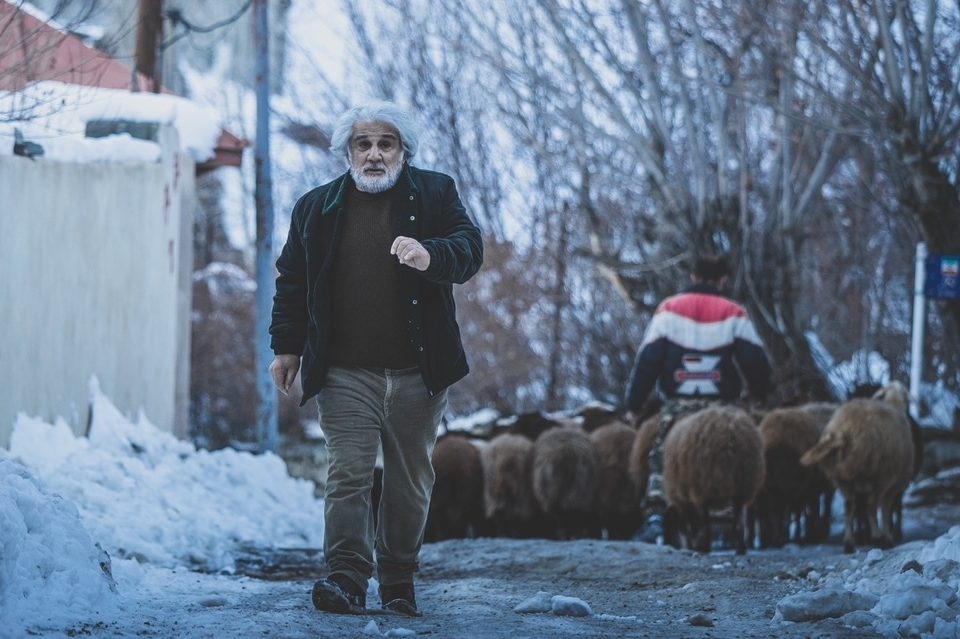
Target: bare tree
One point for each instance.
(675, 128)
(900, 60)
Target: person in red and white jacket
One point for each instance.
(694, 350)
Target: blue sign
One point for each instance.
(943, 277)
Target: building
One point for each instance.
(95, 235)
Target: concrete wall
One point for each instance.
(95, 262)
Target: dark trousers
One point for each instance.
(360, 410)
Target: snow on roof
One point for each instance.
(40, 15)
(55, 115)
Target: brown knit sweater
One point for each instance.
(369, 322)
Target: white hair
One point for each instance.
(378, 111)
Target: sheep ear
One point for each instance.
(827, 446)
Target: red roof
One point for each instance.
(32, 50)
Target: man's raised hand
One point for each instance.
(410, 252)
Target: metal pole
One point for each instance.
(919, 322)
(267, 394)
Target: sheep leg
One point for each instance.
(863, 531)
(849, 510)
(807, 521)
(786, 520)
(896, 518)
(826, 515)
(755, 525)
(879, 535)
(688, 525)
(739, 529)
(888, 506)
(703, 537)
(773, 526)
(593, 528)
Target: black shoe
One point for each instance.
(399, 598)
(338, 593)
(652, 531)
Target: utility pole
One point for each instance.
(267, 394)
(149, 30)
(919, 323)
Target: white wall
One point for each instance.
(95, 263)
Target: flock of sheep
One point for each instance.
(777, 471)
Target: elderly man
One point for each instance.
(364, 296)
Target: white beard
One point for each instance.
(372, 184)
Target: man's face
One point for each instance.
(376, 156)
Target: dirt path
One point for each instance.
(634, 590)
(469, 588)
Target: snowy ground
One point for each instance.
(469, 588)
(163, 510)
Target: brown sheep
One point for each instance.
(508, 499)
(639, 461)
(456, 505)
(564, 481)
(791, 492)
(617, 505)
(531, 425)
(866, 449)
(821, 412)
(593, 416)
(712, 458)
(861, 525)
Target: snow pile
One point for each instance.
(54, 114)
(479, 421)
(373, 630)
(946, 546)
(559, 605)
(912, 591)
(937, 401)
(225, 280)
(144, 494)
(50, 568)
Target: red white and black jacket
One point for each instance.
(693, 347)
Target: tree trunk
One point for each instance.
(149, 29)
(936, 205)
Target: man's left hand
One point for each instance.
(410, 253)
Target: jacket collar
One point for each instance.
(706, 289)
(338, 189)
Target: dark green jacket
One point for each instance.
(426, 206)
